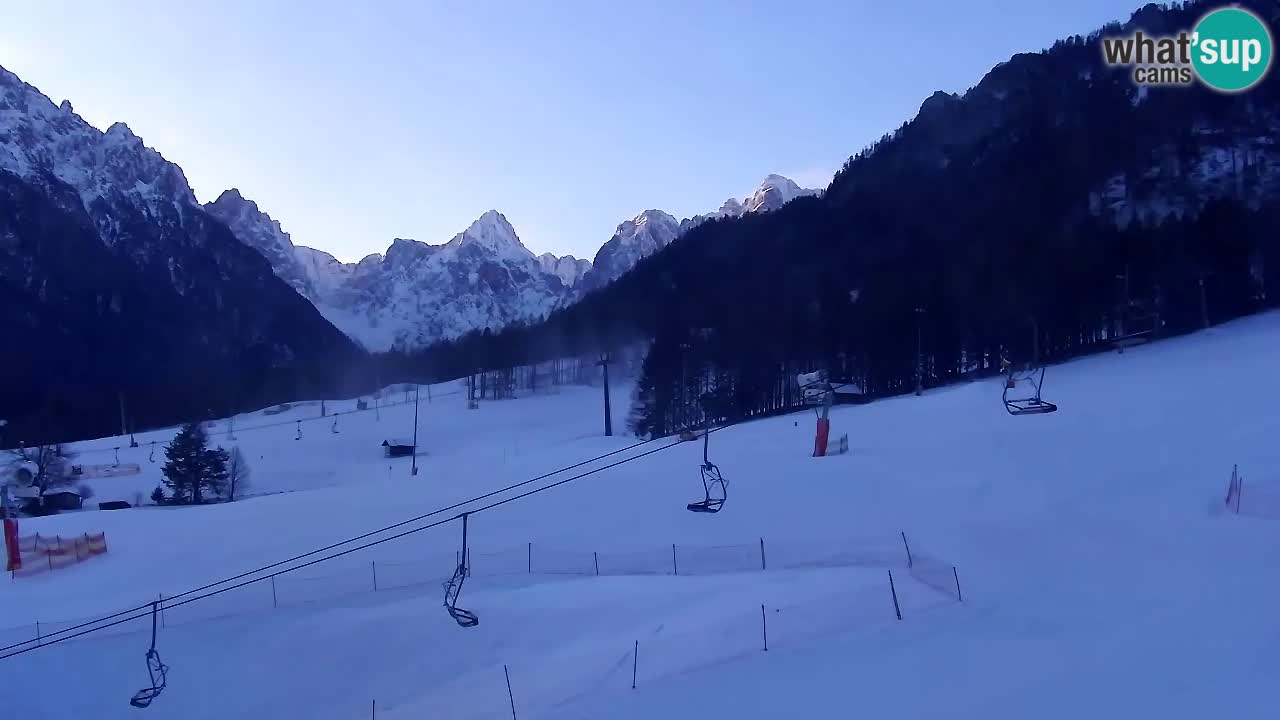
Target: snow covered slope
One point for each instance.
(1100, 577)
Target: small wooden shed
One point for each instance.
(398, 448)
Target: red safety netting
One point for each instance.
(44, 553)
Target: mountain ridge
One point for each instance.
(120, 283)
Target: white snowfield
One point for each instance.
(1101, 575)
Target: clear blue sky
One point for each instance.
(356, 122)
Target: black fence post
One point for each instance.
(530, 558)
(908, 547)
(896, 610)
(38, 633)
(635, 662)
(509, 694)
(764, 626)
(374, 565)
(275, 602)
(675, 567)
(763, 566)
(596, 557)
(957, 577)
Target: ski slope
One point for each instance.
(1100, 575)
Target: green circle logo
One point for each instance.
(1232, 49)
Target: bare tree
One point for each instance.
(237, 474)
(44, 466)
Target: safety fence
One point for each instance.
(426, 574)
(579, 666)
(44, 553)
(1258, 501)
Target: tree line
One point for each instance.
(1051, 208)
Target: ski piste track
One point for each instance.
(1102, 574)
(258, 574)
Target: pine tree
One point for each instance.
(182, 464)
(192, 470)
(214, 478)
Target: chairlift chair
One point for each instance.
(453, 588)
(1031, 405)
(713, 483)
(156, 669)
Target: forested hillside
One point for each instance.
(1049, 208)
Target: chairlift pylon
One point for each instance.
(299, 435)
(1028, 404)
(453, 588)
(152, 458)
(713, 483)
(156, 669)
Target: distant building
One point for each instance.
(398, 448)
(63, 500)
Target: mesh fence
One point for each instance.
(681, 645)
(44, 553)
(531, 559)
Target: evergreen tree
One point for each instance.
(194, 472)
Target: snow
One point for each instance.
(1101, 575)
(774, 192)
(261, 232)
(420, 293)
(568, 268)
(324, 272)
(38, 137)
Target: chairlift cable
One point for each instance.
(191, 598)
(339, 544)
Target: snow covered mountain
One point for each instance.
(652, 230)
(774, 192)
(325, 273)
(110, 265)
(257, 230)
(485, 277)
(637, 238)
(415, 293)
(569, 269)
(418, 293)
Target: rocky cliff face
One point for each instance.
(117, 280)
